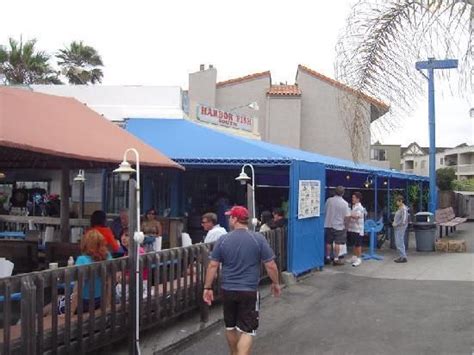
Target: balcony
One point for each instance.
(464, 169)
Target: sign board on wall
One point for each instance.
(224, 119)
(309, 197)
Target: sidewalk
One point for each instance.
(421, 265)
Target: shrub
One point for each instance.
(463, 185)
(444, 178)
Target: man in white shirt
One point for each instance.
(356, 227)
(214, 230)
(336, 214)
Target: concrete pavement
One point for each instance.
(423, 306)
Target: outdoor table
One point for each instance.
(12, 235)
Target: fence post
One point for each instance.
(204, 260)
(28, 312)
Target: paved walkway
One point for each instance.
(423, 307)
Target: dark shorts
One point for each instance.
(356, 238)
(241, 310)
(333, 235)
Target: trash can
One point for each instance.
(425, 231)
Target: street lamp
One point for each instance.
(81, 179)
(243, 178)
(251, 105)
(430, 65)
(125, 170)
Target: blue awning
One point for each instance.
(189, 143)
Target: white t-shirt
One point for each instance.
(356, 225)
(337, 209)
(215, 233)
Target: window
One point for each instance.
(441, 161)
(378, 154)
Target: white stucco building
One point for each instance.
(415, 159)
(305, 115)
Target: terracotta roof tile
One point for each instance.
(243, 78)
(284, 90)
(376, 102)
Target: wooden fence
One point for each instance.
(61, 312)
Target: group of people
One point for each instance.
(268, 220)
(342, 222)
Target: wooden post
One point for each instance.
(64, 214)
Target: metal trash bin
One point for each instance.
(425, 231)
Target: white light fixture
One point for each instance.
(243, 178)
(254, 106)
(80, 177)
(125, 170)
(2, 175)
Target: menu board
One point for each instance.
(309, 197)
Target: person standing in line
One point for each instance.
(400, 224)
(356, 227)
(241, 252)
(214, 230)
(337, 213)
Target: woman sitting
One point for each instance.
(93, 249)
(99, 223)
(152, 229)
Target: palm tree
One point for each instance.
(22, 64)
(80, 63)
(383, 39)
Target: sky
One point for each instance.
(146, 42)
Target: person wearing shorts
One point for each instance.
(356, 227)
(241, 253)
(336, 214)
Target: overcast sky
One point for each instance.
(161, 42)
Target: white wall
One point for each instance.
(202, 89)
(284, 120)
(322, 125)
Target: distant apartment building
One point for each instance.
(305, 115)
(415, 159)
(385, 155)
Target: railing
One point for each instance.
(45, 311)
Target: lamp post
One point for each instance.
(81, 179)
(125, 170)
(244, 178)
(251, 105)
(430, 65)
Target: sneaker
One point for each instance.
(357, 262)
(401, 260)
(338, 262)
(327, 261)
(353, 259)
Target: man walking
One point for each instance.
(337, 213)
(400, 223)
(214, 230)
(241, 252)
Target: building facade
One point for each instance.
(385, 155)
(305, 115)
(415, 159)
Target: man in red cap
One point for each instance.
(241, 252)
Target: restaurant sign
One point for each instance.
(224, 119)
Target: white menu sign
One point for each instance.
(309, 198)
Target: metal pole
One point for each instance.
(254, 212)
(431, 113)
(376, 207)
(81, 199)
(64, 210)
(389, 208)
(420, 203)
(132, 255)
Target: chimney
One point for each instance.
(202, 67)
(211, 66)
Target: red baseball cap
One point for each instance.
(238, 212)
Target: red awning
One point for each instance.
(63, 127)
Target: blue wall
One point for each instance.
(305, 236)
